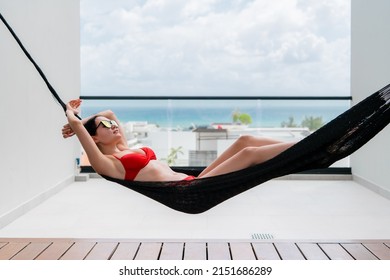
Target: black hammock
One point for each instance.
(332, 142)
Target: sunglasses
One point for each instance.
(108, 123)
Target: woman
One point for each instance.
(105, 144)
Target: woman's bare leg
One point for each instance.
(240, 144)
(247, 157)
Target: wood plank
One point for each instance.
(358, 251)
(242, 251)
(172, 251)
(335, 252)
(11, 249)
(265, 251)
(55, 251)
(102, 251)
(195, 251)
(126, 251)
(218, 251)
(74, 249)
(78, 251)
(312, 251)
(289, 251)
(380, 250)
(31, 251)
(149, 251)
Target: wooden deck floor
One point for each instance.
(85, 249)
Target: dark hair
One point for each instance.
(90, 126)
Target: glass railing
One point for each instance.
(193, 131)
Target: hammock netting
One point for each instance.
(332, 142)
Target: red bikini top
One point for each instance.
(134, 162)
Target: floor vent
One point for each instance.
(264, 236)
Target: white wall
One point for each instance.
(370, 72)
(35, 160)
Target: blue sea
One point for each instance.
(186, 114)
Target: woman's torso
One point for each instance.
(142, 165)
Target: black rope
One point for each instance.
(50, 87)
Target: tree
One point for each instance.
(289, 123)
(312, 123)
(243, 118)
(172, 157)
(235, 115)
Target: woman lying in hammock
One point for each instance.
(106, 146)
(248, 163)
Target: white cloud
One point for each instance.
(215, 47)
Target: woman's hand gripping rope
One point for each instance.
(74, 106)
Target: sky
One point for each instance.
(215, 47)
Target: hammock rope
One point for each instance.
(332, 142)
(43, 76)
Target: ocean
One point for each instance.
(187, 114)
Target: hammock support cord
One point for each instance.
(332, 142)
(43, 76)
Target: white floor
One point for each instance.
(285, 209)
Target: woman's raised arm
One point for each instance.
(98, 160)
(67, 130)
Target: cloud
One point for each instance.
(215, 47)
